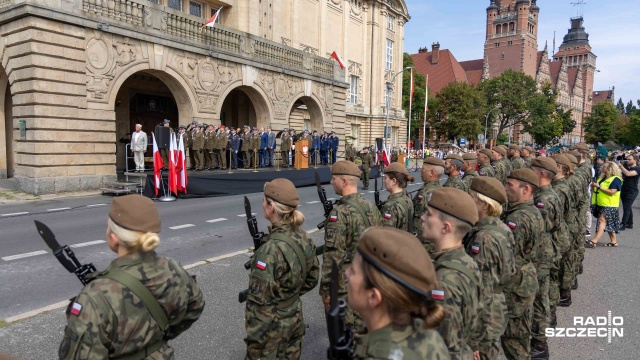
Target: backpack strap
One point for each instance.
(296, 249)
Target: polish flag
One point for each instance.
(173, 179)
(157, 164)
(261, 265)
(437, 294)
(211, 22)
(385, 157)
(182, 166)
(338, 59)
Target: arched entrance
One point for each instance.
(306, 114)
(7, 164)
(244, 105)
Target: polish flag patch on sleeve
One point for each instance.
(540, 205)
(437, 294)
(387, 216)
(76, 309)
(333, 218)
(420, 197)
(261, 266)
(512, 225)
(475, 249)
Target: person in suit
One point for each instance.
(264, 152)
(324, 148)
(294, 139)
(139, 147)
(271, 146)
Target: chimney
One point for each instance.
(435, 53)
(422, 50)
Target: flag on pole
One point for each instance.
(173, 179)
(338, 59)
(211, 22)
(385, 157)
(157, 164)
(182, 166)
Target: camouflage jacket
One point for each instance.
(420, 205)
(584, 173)
(501, 171)
(487, 170)
(490, 244)
(397, 211)
(343, 228)
(406, 342)
(565, 194)
(246, 141)
(285, 142)
(276, 284)
(527, 162)
(548, 203)
(108, 320)
(517, 163)
(526, 224)
(454, 181)
(507, 166)
(468, 177)
(367, 160)
(579, 198)
(461, 300)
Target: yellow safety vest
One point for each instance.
(601, 199)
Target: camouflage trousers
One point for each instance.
(365, 176)
(515, 342)
(578, 248)
(282, 341)
(567, 272)
(489, 346)
(554, 284)
(541, 310)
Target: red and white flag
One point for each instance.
(338, 59)
(211, 22)
(173, 178)
(182, 166)
(157, 164)
(385, 157)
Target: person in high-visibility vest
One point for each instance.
(605, 201)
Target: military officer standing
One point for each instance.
(234, 147)
(222, 143)
(209, 144)
(525, 221)
(191, 129)
(432, 170)
(285, 146)
(469, 168)
(111, 318)
(351, 153)
(324, 148)
(164, 152)
(246, 147)
(484, 158)
(198, 147)
(446, 220)
(367, 162)
(397, 211)
(514, 156)
(346, 222)
(334, 142)
(491, 245)
(284, 268)
(452, 166)
(315, 148)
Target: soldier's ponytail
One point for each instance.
(134, 240)
(288, 213)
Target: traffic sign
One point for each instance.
(463, 141)
(480, 137)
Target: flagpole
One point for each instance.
(424, 121)
(410, 106)
(167, 195)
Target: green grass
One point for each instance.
(3, 324)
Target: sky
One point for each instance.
(612, 25)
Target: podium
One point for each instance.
(302, 154)
(401, 158)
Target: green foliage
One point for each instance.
(630, 108)
(620, 106)
(419, 82)
(511, 92)
(599, 126)
(548, 121)
(460, 107)
(502, 138)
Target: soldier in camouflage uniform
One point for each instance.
(397, 211)
(469, 168)
(284, 268)
(198, 147)
(222, 143)
(452, 165)
(525, 221)
(491, 245)
(245, 147)
(447, 219)
(555, 244)
(526, 153)
(499, 163)
(109, 320)
(577, 229)
(583, 176)
(514, 156)
(432, 170)
(346, 222)
(484, 159)
(403, 293)
(209, 145)
(367, 162)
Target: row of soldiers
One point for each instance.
(501, 277)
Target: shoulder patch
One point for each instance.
(261, 265)
(333, 218)
(512, 225)
(387, 216)
(437, 294)
(540, 205)
(420, 197)
(76, 309)
(475, 249)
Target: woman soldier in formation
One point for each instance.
(282, 269)
(397, 211)
(393, 296)
(140, 301)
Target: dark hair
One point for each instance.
(401, 178)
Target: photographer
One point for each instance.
(630, 170)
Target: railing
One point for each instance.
(119, 10)
(510, 33)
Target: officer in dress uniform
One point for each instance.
(324, 148)
(397, 211)
(283, 269)
(198, 147)
(484, 158)
(432, 170)
(343, 227)
(109, 319)
(234, 147)
(209, 145)
(452, 166)
(384, 285)
(367, 163)
(293, 148)
(285, 147)
(165, 152)
(191, 129)
(246, 146)
(315, 148)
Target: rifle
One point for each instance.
(340, 338)
(328, 207)
(379, 203)
(65, 255)
(257, 236)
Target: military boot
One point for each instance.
(581, 269)
(554, 319)
(575, 284)
(539, 350)
(565, 298)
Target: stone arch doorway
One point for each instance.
(244, 105)
(7, 143)
(306, 114)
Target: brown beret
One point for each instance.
(500, 150)
(528, 148)
(515, 147)
(470, 156)
(344, 167)
(454, 202)
(388, 249)
(546, 163)
(430, 160)
(490, 187)
(582, 147)
(283, 191)
(571, 158)
(396, 167)
(527, 175)
(575, 153)
(562, 160)
(455, 157)
(487, 152)
(136, 213)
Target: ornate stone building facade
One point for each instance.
(78, 74)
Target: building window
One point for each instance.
(502, 56)
(497, 44)
(510, 42)
(175, 4)
(387, 97)
(394, 135)
(353, 90)
(213, 12)
(195, 8)
(389, 62)
(390, 22)
(355, 134)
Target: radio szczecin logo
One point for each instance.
(591, 327)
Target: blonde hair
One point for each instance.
(610, 169)
(287, 212)
(134, 240)
(495, 209)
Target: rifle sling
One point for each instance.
(360, 211)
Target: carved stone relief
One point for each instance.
(356, 7)
(355, 68)
(324, 93)
(281, 90)
(309, 49)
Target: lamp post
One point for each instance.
(486, 118)
(388, 101)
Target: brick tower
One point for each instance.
(512, 36)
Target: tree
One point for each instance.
(460, 107)
(620, 106)
(598, 127)
(511, 93)
(548, 120)
(419, 82)
(630, 108)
